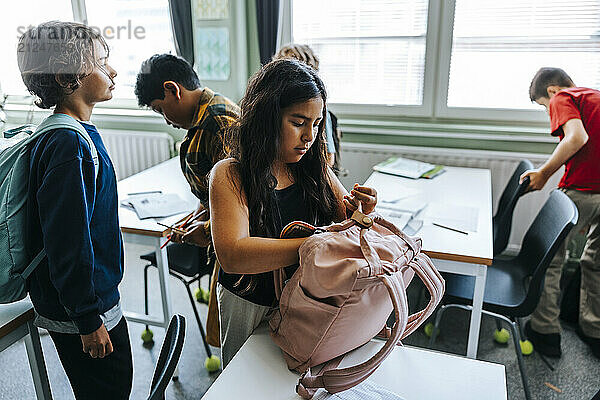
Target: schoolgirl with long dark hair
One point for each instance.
(278, 173)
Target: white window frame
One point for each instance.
(438, 50)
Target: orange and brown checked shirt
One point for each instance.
(203, 145)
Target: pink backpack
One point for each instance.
(351, 276)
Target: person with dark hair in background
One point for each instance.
(575, 119)
(170, 87)
(278, 174)
(72, 209)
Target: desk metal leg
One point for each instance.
(163, 279)
(475, 324)
(36, 363)
(480, 274)
(162, 262)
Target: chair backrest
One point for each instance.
(168, 357)
(541, 242)
(502, 221)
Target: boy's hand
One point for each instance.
(97, 344)
(201, 214)
(363, 195)
(537, 179)
(197, 234)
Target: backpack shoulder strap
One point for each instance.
(33, 264)
(57, 121)
(60, 121)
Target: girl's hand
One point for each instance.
(351, 205)
(363, 195)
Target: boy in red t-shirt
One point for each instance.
(575, 119)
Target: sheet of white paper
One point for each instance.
(455, 216)
(392, 193)
(157, 205)
(412, 205)
(366, 390)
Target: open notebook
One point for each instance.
(157, 205)
(366, 390)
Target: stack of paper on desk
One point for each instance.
(403, 167)
(408, 168)
(403, 213)
(157, 205)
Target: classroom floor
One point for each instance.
(576, 373)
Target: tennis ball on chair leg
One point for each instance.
(428, 329)
(212, 363)
(202, 295)
(501, 336)
(526, 347)
(147, 336)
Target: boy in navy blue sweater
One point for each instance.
(73, 213)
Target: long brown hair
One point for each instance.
(256, 141)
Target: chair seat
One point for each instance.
(188, 260)
(505, 287)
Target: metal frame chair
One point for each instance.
(514, 286)
(188, 264)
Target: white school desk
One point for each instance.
(453, 251)
(16, 322)
(166, 177)
(258, 371)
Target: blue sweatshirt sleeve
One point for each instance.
(66, 202)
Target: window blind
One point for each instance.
(370, 51)
(499, 45)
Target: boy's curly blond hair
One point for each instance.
(54, 56)
(300, 52)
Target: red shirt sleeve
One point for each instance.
(562, 109)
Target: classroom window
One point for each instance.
(134, 31)
(17, 17)
(370, 51)
(499, 45)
